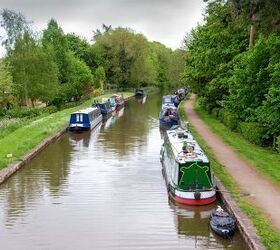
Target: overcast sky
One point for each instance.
(166, 21)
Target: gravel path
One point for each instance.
(266, 195)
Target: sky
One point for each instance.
(166, 21)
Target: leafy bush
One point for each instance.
(24, 112)
(228, 118)
(278, 144)
(96, 92)
(215, 112)
(50, 109)
(253, 132)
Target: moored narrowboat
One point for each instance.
(105, 107)
(139, 92)
(168, 116)
(119, 100)
(85, 119)
(186, 169)
(112, 103)
(170, 100)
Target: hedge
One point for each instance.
(253, 132)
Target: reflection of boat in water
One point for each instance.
(81, 137)
(141, 99)
(192, 220)
(107, 122)
(119, 112)
(186, 169)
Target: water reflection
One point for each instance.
(48, 171)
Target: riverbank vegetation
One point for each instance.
(51, 68)
(270, 237)
(233, 65)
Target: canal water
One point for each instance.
(103, 190)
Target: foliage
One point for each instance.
(15, 25)
(225, 72)
(253, 132)
(34, 71)
(6, 85)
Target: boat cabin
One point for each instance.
(85, 119)
(187, 164)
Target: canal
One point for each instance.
(103, 190)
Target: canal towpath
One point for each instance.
(266, 195)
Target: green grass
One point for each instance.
(31, 133)
(264, 160)
(268, 234)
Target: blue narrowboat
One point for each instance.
(105, 108)
(169, 116)
(85, 119)
(170, 100)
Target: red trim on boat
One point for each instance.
(195, 202)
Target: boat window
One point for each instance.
(81, 117)
(77, 117)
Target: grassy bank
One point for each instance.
(32, 132)
(265, 161)
(268, 234)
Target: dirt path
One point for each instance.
(266, 195)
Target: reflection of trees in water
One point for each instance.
(130, 132)
(48, 170)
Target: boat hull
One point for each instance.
(188, 198)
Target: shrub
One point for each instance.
(96, 92)
(278, 144)
(24, 112)
(50, 109)
(253, 132)
(229, 119)
(215, 112)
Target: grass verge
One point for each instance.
(269, 236)
(26, 137)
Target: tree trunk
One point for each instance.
(252, 32)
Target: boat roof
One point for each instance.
(86, 110)
(177, 146)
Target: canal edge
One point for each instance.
(13, 167)
(244, 225)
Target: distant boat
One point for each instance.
(105, 107)
(168, 116)
(170, 100)
(139, 92)
(187, 169)
(85, 119)
(222, 223)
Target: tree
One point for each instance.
(34, 71)
(99, 78)
(15, 25)
(6, 85)
(54, 37)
